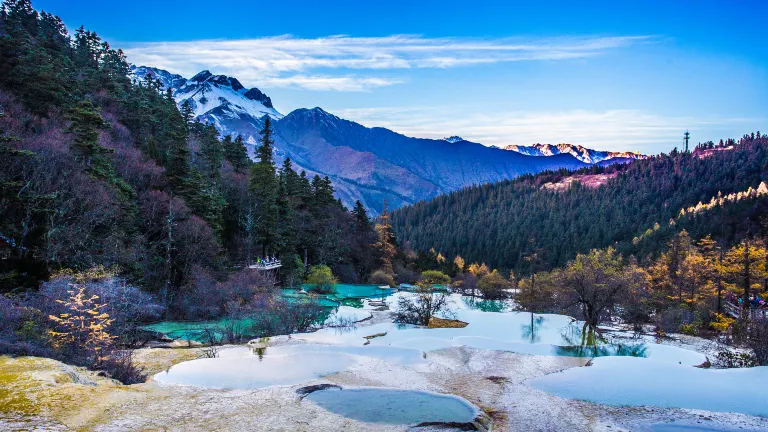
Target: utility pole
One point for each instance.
(686, 137)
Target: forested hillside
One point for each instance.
(522, 226)
(100, 170)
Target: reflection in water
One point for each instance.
(246, 368)
(486, 305)
(353, 302)
(602, 350)
(530, 331)
(239, 368)
(260, 351)
(642, 382)
(592, 344)
(391, 406)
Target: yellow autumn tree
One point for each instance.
(744, 268)
(459, 261)
(479, 270)
(83, 329)
(385, 243)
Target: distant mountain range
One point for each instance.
(581, 153)
(367, 164)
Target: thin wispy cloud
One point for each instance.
(630, 130)
(355, 63)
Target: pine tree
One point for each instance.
(264, 187)
(236, 153)
(322, 193)
(212, 151)
(177, 168)
(22, 219)
(361, 216)
(187, 113)
(85, 123)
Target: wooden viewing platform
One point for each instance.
(271, 265)
(735, 311)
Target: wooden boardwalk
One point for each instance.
(735, 311)
(264, 266)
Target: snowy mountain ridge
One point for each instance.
(453, 139)
(217, 99)
(579, 152)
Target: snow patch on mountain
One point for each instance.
(167, 79)
(213, 97)
(453, 139)
(206, 92)
(579, 152)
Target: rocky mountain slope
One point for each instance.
(366, 164)
(373, 164)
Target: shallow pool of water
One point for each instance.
(392, 406)
(331, 350)
(520, 332)
(634, 381)
(244, 368)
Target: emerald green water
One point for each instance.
(347, 292)
(345, 295)
(487, 305)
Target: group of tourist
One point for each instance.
(267, 261)
(755, 301)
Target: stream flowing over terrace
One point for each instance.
(625, 369)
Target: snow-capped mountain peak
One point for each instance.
(453, 139)
(579, 152)
(167, 79)
(213, 97)
(206, 92)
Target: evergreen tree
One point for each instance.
(361, 216)
(212, 151)
(85, 123)
(264, 187)
(23, 213)
(178, 170)
(322, 193)
(236, 153)
(187, 113)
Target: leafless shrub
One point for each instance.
(284, 317)
(405, 275)
(380, 278)
(212, 341)
(465, 283)
(119, 365)
(420, 307)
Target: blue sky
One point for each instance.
(630, 77)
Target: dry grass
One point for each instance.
(435, 322)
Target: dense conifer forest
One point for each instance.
(100, 169)
(636, 211)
